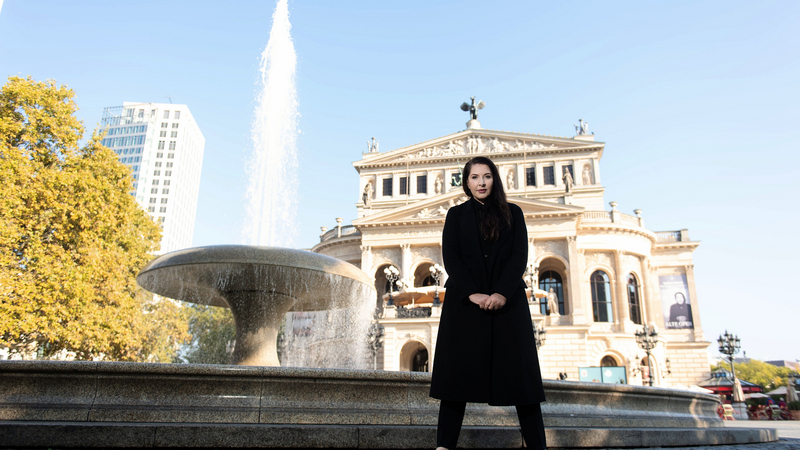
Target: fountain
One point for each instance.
(260, 285)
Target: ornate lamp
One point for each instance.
(392, 274)
(729, 345)
(375, 337)
(539, 334)
(647, 339)
(436, 273)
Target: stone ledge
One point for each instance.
(65, 435)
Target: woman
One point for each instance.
(485, 352)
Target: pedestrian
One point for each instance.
(485, 351)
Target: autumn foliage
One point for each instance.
(72, 239)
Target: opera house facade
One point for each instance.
(601, 274)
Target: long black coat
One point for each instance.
(485, 356)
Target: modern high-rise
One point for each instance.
(163, 146)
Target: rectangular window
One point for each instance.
(158, 163)
(166, 114)
(159, 155)
(170, 155)
(172, 145)
(152, 199)
(154, 190)
(174, 134)
(177, 115)
(175, 125)
(163, 201)
(403, 185)
(155, 183)
(168, 173)
(141, 114)
(163, 209)
(530, 176)
(166, 182)
(455, 179)
(165, 191)
(161, 145)
(422, 184)
(163, 133)
(548, 175)
(151, 209)
(164, 125)
(387, 187)
(169, 164)
(156, 173)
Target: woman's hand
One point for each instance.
(479, 299)
(494, 302)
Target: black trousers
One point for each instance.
(451, 416)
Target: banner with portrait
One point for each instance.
(676, 302)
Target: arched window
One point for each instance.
(419, 363)
(634, 302)
(608, 361)
(551, 280)
(601, 297)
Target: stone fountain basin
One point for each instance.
(205, 275)
(260, 285)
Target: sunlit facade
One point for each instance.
(606, 274)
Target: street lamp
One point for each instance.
(647, 339)
(436, 273)
(539, 334)
(375, 337)
(392, 274)
(729, 344)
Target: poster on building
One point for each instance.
(676, 302)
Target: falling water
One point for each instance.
(272, 192)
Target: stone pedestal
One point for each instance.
(473, 124)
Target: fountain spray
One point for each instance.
(272, 191)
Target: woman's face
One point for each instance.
(679, 298)
(480, 182)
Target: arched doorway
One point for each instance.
(608, 361)
(414, 357)
(422, 275)
(552, 276)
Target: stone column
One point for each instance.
(622, 289)
(596, 170)
(572, 307)
(648, 297)
(366, 261)
(405, 261)
(698, 329)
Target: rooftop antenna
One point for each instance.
(170, 99)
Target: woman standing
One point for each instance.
(485, 352)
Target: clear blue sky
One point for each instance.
(698, 103)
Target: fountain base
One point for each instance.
(97, 404)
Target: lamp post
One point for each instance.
(375, 337)
(729, 345)
(647, 339)
(539, 334)
(392, 274)
(436, 273)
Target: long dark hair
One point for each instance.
(496, 210)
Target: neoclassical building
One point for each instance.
(607, 273)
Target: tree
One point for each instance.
(213, 333)
(72, 239)
(758, 372)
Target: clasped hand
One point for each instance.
(488, 302)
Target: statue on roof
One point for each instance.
(372, 147)
(582, 129)
(473, 108)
